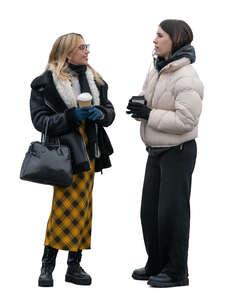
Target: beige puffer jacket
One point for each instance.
(175, 96)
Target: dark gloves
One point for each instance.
(81, 113)
(138, 110)
(94, 113)
(76, 115)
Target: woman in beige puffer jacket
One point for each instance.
(169, 126)
(175, 96)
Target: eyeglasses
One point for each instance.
(84, 47)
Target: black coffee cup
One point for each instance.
(138, 99)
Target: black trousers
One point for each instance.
(165, 208)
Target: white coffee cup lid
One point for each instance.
(84, 97)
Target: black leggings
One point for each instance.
(165, 208)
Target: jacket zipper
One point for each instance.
(49, 106)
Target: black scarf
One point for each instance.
(80, 70)
(186, 51)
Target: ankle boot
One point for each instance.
(48, 265)
(140, 274)
(163, 280)
(75, 273)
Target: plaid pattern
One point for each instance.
(69, 224)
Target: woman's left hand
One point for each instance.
(138, 110)
(94, 113)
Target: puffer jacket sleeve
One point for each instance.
(58, 123)
(105, 106)
(188, 93)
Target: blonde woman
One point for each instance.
(54, 98)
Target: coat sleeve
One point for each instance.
(188, 107)
(58, 124)
(106, 107)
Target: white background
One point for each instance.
(121, 35)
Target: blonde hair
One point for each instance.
(63, 46)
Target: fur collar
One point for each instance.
(68, 91)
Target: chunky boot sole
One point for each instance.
(139, 277)
(43, 283)
(168, 284)
(75, 280)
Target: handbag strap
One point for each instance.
(44, 135)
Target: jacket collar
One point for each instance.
(175, 65)
(45, 84)
(60, 95)
(69, 91)
(172, 63)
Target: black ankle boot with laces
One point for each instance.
(48, 265)
(75, 273)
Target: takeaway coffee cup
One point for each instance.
(138, 99)
(84, 99)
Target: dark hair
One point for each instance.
(179, 31)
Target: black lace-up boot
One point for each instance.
(75, 273)
(48, 265)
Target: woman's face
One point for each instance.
(80, 54)
(163, 43)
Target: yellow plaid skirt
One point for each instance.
(69, 224)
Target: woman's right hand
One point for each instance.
(81, 113)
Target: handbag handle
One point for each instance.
(44, 135)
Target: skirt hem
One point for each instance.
(67, 249)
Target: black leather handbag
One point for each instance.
(47, 163)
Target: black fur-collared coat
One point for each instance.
(47, 104)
